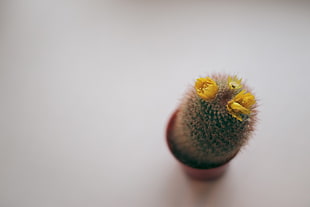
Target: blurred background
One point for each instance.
(87, 87)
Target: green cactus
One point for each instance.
(214, 120)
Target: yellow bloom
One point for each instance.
(241, 104)
(206, 88)
(234, 82)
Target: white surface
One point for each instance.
(87, 88)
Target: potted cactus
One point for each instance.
(214, 120)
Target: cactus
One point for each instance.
(215, 119)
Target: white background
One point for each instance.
(87, 87)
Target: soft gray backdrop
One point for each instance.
(86, 89)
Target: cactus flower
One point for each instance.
(206, 88)
(241, 104)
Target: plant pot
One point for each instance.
(194, 173)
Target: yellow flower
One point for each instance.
(234, 82)
(206, 88)
(241, 104)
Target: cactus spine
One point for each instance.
(214, 120)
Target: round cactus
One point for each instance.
(214, 120)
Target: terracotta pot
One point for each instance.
(195, 173)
